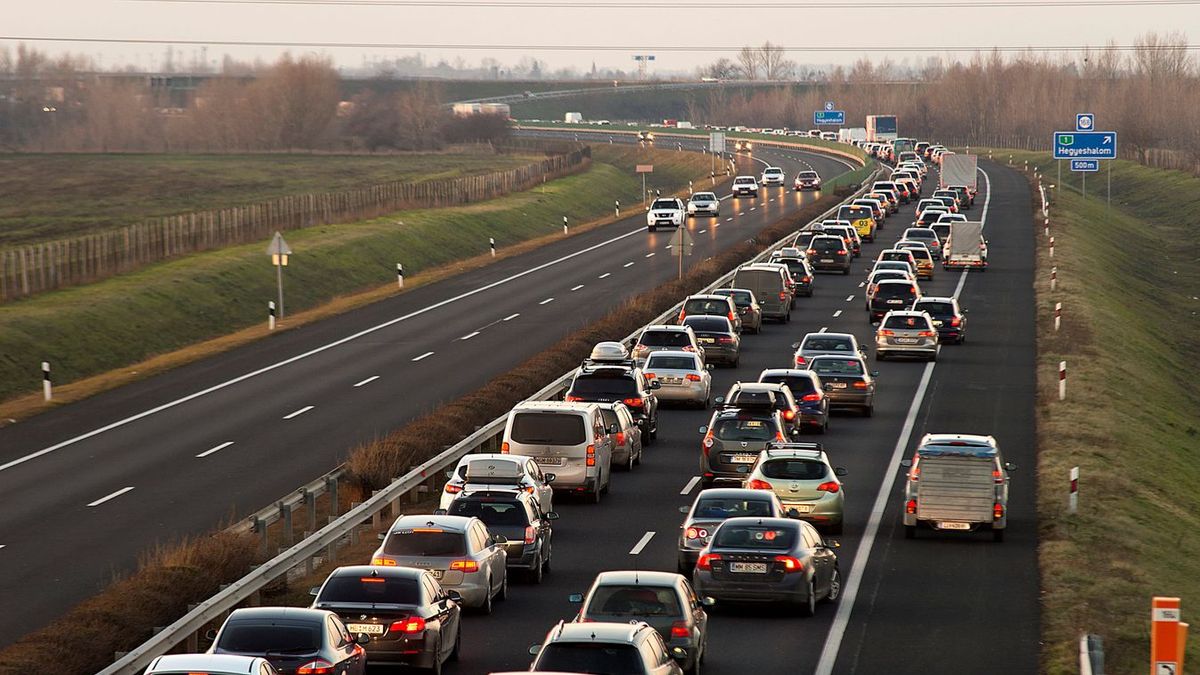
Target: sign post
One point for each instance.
(681, 244)
(644, 169)
(716, 145)
(279, 251)
(1168, 636)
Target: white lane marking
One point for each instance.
(690, 484)
(728, 219)
(369, 380)
(837, 314)
(753, 208)
(605, 275)
(510, 317)
(823, 329)
(637, 548)
(470, 335)
(218, 448)
(742, 213)
(312, 352)
(3, 545)
(423, 356)
(114, 495)
(303, 410)
(702, 231)
(837, 631)
(770, 200)
(628, 264)
(575, 288)
(861, 284)
(650, 255)
(546, 301)
(849, 298)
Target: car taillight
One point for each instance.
(783, 295)
(955, 321)
(465, 565)
(695, 533)
(860, 385)
(829, 486)
(413, 624)
(997, 477)
(591, 455)
(927, 333)
(812, 251)
(790, 564)
(756, 484)
(732, 318)
(805, 280)
(318, 667)
(453, 489)
(692, 377)
(650, 376)
(887, 333)
(688, 348)
(707, 442)
(633, 402)
(789, 415)
(504, 448)
(682, 316)
(910, 506)
(725, 340)
(800, 360)
(620, 438)
(530, 534)
(572, 398)
(706, 560)
(842, 252)
(779, 437)
(815, 396)
(680, 629)
(998, 511)
(383, 562)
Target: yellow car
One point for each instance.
(861, 218)
(921, 254)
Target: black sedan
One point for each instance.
(294, 639)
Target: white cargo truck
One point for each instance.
(959, 170)
(573, 118)
(965, 247)
(852, 134)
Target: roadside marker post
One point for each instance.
(1168, 636)
(564, 225)
(1051, 247)
(690, 190)
(1053, 278)
(1062, 380)
(492, 243)
(271, 315)
(399, 275)
(47, 392)
(1057, 316)
(618, 210)
(1073, 497)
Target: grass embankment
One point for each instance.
(1129, 282)
(118, 621)
(118, 322)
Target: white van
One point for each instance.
(568, 439)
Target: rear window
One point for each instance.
(906, 323)
(744, 430)
(902, 256)
(919, 253)
(718, 307)
(665, 338)
(500, 513)
(258, 638)
(827, 344)
(720, 509)
(740, 298)
(597, 384)
(590, 657)
(635, 601)
(548, 428)
(704, 324)
(826, 244)
(347, 588)
(808, 174)
(755, 537)
(853, 213)
(420, 543)
(936, 309)
(836, 367)
(671, 362)
(799, 384)
(794, 469)
(892, 291)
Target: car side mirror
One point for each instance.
(874, 373)
(450, 474)
(362, 639)
(703, 429)
(966, 311)
(614, 427)
(551, 515)
(840, 471)
(439, 512)
(684, 509)
(707, 601)
(906, 463)
(1009, 466)
(314, 591)
(549, 477)
(534, 649)
(499, 540)
(575, 598)
(381, 536)
(655, 384)
(708, 366)
(718, 401)
(210, 634)
(832, 543)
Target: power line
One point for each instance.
(625, 4)
(700, 49)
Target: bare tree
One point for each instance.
(775, 64)
(749, 65)
(721, 69)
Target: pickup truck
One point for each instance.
(957, 483)
(666, 211)
(965, 247)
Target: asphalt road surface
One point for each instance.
(89, 486)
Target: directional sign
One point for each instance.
(644, 168)
(1085, 122)
(1085, 165)
(681, 242)
(1085, 145)
(829, 117)
(716, 141)
(279, 250)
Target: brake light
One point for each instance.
(779, 437)
(789, 415)
(725, 340)
(706, 560)
(783, 295)
(688, 348)
(680, 629)
(591, 455)
(318, 667)
(732, 317)
(829, 486)
(815, 396)
(707, 442)
(887, 333)
(805, 280)
(800, 360)
(682, 315)
(413, 624)
(465, 565)
(620, 438)
(860, 385)
(382, 561)
(633, 402)
(927, 333)
(790, 564)
(910, 506)
(504, 448)
(692, 377)
(650, 376)
(695, 533)
(572, 398)
(955, 321)
(530, 534)
(373, 580)
(842, 252)
(812, 251)
(998, 511)
(915, 472)
(997, 477)
(453, 489)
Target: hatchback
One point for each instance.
(897, 254)
(627, 440)
(930, 216)
(805, 482)
(655, 338)
(809, 393)
(800, 272)
(814, 344)
(295, 640)
(949, 319)
(926, 236)
(499, 470)
(611, 383)
(847, 233)
(921, 254)
(594, 647)
(747, 307)
(710, 509)
(883, 275)
(827, 252)
(848, 383)
(748, 394)
(519, 518)
(733, 439)
(906, 333)
(210, 664)
(681, 377)
(718, 337)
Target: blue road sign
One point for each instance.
(1085, 122)
(1087, 165)
(829, 117)
(1085, 145)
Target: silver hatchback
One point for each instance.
(906, 333)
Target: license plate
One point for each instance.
(836, 385)
(751, 568)
(802, 508)
(743, 459)
(368, 628)
(550, 461)
(895, 302)
(937, 323)
(708, 341)
(950, 525)
(672, 380)
(437, 574)
(826, 260)
(906, 341)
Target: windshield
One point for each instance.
(545, 428)
(773, 172)
(808, 174)
(754, 537)
(665, 338)
(252, 637)
(836, 367)
(634, 600)
(744, 430)
(799, 384)
(664, 204)
(823, 244)
(492, 513)
(704, 197)
(353, 588)
(890, 291)
(743, 180)
(719, 509)
(601, 658)
(822, 343)
(422, 542)
(671, 362)
(794, 469)
(740, 298)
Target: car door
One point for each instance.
(496, 557)
(631, 429)
(699, 616)
(446, 610)
(604, 449)
(351, 658)
(822, 559)
(543, 491)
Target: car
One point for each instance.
(681, 377)
(928, 203)
(883, 275)
(901, 193)
(712, 305)
(606, 382)
(892, 197)
(828, 136)
(861, 219)
(292, 639)
(878, 210)
(802, 477)
(804, 237)
(906, 333)
(772, 560)
(788, 252)
(645, 137)
(718, 337)
(517, 516)
(495, 469)
(664, 600)
(785, 272)
(733, 437)
(947, 218)
(909, 269)
(799, 270)
(848, 383)
(784, 402)
(459, 551)
(657, 337)
(847, 233)
(926, 236)
(772, 176)
(929, 216)
(410, 619)
(747, 306)
(966, 198)
(772, 287)
(949, 198)
(815, 344)
(712, 506)
(210, 664)
(897, 254)
(742, 145)
(568, 437)
(807, 180)
(949, 319)
(892, 294)
(594, 647)
(807, 391)
(627, 441)
(830, 252)
(744, 186)
(703, 204)
(957, 483)
(665, 211)
(920, 253)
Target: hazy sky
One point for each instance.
(706, 24)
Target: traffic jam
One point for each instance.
(762, 528)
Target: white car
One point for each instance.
(704, 204)
(682, 376)
(665, 211)
(745, 186)
(774, 176)
(499, 470)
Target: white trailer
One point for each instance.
(965, 246)
(852, 134)
(959, 170)
(573, 118)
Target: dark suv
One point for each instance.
(829, 252)
(624, 383)
(891, 294)
(948, 318)
(518, 516)
(785, 402)
(735, 436)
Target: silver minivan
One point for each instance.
(568, 439)
(770, 287)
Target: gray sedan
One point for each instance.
(718, 337)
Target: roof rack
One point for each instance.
(776, 445)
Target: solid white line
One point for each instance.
(849, 298)
(510, 317)
(303, 410)
(628, 264)
(650, 255)
(546, 301)
(837, 631)
(837, 314)
(576, 288)
(470, 335)
(367, 381)
(114, 495)
(606, 274)
(637, 548)
(753, 208)
(210, 451)
(690, 484)
(423, 356)
(312, 352)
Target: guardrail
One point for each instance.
(346, 527)
(1091, 655)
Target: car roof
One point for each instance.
(758, 520)
(552, 406)
(296, 613)
(665, 328)
(758, 386)
(673, 352)
(936, 298)
(213, 663)
(377, 571)
(790, 372)
(838, 357)
(637, 577)
(961, 445)
(792, 453)
(445, 522)
(834, 335)
(907, 312)
(731, 492)
(706, 296)
(598, 631)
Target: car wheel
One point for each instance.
(487, 600)
(436, 668)
(880, 356)
(638, 459)
(546, 563)
(931, 357)
(736, 362)
(595, 495)
(628, 466)
(997, 535)
(535, 574)
(835, 586)
(846, 272)
(695, 669)
(808, 606)
(910, 531)
(834, 529)
(650, 228)
(682, 568)
(962, 338)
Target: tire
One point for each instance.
(546, 566)
(881, 356)
(931, 358)
(594, 496)
(650, 228)
(835, 587)
(705, 484)
(535, 574)
(846, 272)
(638, 460)
(735, 362)
(682, 569)
(809, 607)
(835, 529)
(823, 428)
(436, 668)
(628, 465)
(910, 531)
(997, 535)
(487, 607)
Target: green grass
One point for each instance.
(103, 326)
(51, 196)
(1129, 282)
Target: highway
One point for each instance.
(88, 486)
(937, 604)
